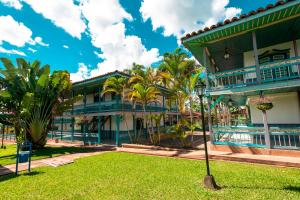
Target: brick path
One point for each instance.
(53, 162)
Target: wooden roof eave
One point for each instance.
(195, 40)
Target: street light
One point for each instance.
(209, 181)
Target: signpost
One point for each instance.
(24, 151)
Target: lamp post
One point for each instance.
(209, 181)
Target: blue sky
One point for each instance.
(92, 37)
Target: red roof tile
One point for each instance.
(242, 16)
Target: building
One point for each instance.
(249, 59)
(98, 119)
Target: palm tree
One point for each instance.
(144, 95)
(188, 89)
(118, 86)
(175, 68)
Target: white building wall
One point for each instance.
(286, 110)
(89, 98)
(249, 59)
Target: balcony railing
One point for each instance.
(280, 138)
(111, 106)
(277, 71)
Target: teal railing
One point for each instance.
(280, 138)
(110, 106)
(246, 76)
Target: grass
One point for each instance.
(8, 155)
(127, 176)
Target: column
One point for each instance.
(99, 117)
(254, 41)
(99, 129)
(72, 119)
(117, 121)
(85, 118)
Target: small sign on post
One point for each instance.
(24, 151)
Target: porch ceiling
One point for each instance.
(272, 35)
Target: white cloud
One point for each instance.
(177, 17)
(107, 31)
(39, 41)
(81, 74)
(12, 3)
(65, 46)
(11, 51)
(14, 32)
(63, 13)
(32, 50)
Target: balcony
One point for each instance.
(272, 72)
(245, 136)
(117, 106)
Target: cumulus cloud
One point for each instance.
(13, 32)
(81, 74)
(16, 33)
(12, 3)
(12, 51)
(107, 30)
(65, 46)
(177, 17)
(64, 14)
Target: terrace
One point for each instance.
(273, 72)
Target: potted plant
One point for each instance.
(264, 106)
(263, 103)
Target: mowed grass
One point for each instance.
(115, 175)
(8, 155)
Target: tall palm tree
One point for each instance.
(118, 86)
(175, 68)
(188, 88)
(144, 95)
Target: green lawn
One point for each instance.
(8, 155)
(128, 176)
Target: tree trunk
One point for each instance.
(2, 142)
(145, 119)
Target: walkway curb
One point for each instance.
(278, 161)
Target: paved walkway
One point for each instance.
(282, 161)
(53, 162)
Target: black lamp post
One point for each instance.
(209, 181)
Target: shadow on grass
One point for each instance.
(293, 188)
(290, 188)
(50, 151)
(13, 175)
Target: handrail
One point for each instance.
(271, 72)
(261, 66)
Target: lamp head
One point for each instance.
(199, 88)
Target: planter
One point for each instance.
(264, 106)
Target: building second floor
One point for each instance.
(256, 51)
(93, 101)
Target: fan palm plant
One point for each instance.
(34, 96)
